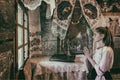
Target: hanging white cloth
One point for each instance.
(33, 4)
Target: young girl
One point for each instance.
(103, 56)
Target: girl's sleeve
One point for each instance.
(104, 63)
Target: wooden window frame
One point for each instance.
(24, 28)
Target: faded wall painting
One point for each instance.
(113, 22)
(109, 5)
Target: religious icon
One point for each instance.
(64, 9)
(90, 11)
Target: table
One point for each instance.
(43, 69)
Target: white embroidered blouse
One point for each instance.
(104, 58)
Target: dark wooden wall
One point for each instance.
(7, 33)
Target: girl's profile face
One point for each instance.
(97, 36)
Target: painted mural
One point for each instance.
(35, 42)
(109, 5)
(113, 22)
(70, 26)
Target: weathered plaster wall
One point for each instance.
(35, 32)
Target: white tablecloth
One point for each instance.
(43, 69)
(56, 66)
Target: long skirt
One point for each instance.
(92, 75)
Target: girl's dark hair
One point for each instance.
(108, 37)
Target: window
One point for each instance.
(21, 37)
